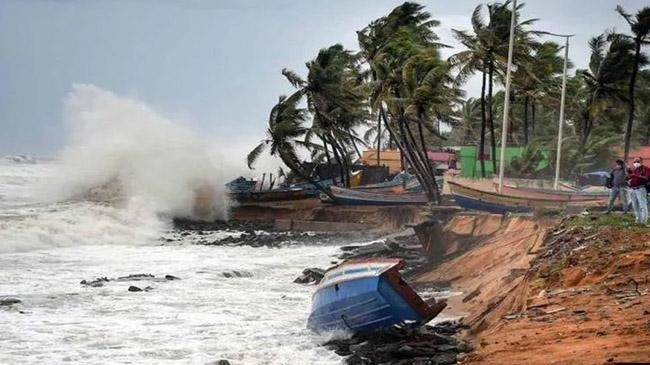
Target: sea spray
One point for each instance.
(121, 141)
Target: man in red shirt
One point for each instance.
(637, 180)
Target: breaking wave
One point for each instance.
(120, 149)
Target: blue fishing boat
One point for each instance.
(366, 295)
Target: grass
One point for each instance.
(596, 221)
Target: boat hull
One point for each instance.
(493, 202)
(357, 197)
(366, 296)
(560, 196)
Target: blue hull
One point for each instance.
(475, 204)
(362, 305)
(357, 201)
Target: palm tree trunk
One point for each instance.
(526, 120)
(327, 152)
(481, 147)
(342, 174)
(532, 117)
(429, 164)
(417, 161)
(493, 139)
(378, 139)
(630, 111)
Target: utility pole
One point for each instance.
(561, 122)
(506, 103)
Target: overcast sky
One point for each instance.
(212, 64)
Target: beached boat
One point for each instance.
(493, 202)
(359, 197)
(556, 195)
(241, 185)
(399, 180)
(366, 295)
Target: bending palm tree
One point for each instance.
(284, 134)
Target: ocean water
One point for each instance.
(48, 247)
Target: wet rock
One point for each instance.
(310, 275)
(219, 362)
(405, 345)
(237, 274)
(95, 283)
(9, 301)
(134, 289)
(136, 277)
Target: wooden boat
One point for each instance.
(366, 295)
(493, 202)
(398, 180)
(241, 185)
(358, 197)
(556, 195)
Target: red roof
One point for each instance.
(441, 156)
(643, 152)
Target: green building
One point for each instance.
(470, 165)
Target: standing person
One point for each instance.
(617, 183)
(638, 178)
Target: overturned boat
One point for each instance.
(366, 295)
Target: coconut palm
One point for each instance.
(640, 27)
(284, 134)
(336, 98)
(487, 49)
(609, 67)
(409, 82)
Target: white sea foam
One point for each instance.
(122, 140)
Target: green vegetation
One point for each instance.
(400, 92)
(594, 222)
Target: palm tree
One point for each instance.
(283, 135)
(640, 27)
(409, 83)
(609, 67)
(487, 50)
(336, 98)
(533, 79)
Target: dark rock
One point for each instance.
(172, 277)
(219, 362)
(135, 277)
(237, 274)
(310, 275)
(95, 283)
(134, 288)
(444, 359)
(9, 301)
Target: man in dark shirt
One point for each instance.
(617, 183)
(637, 180)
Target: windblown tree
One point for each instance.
(411, 87)
(610, 66)
(284, 136)
(487, 52)
(336, 98)
(640, 27)
(533, 80)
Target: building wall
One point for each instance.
(470, 165)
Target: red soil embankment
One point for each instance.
(490, 254)
(542, 292)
